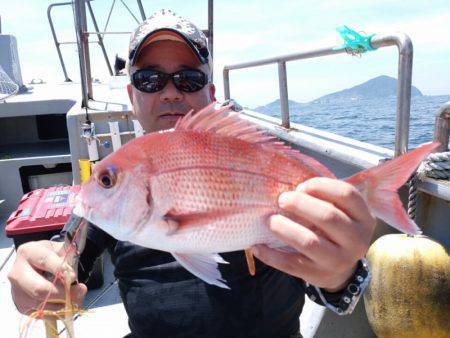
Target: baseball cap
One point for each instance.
(166, 25)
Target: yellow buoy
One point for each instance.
(409, 294)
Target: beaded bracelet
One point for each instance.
(343, 302)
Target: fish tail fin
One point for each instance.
(380, 184)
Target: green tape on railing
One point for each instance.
(355, 42)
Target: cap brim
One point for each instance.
(166, 34)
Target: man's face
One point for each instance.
(161, 110)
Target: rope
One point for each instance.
(437, 166)
(412, 197)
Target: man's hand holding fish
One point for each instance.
(330, 226)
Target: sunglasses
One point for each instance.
(152, 81)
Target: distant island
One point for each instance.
(379, 87)
(274, 106)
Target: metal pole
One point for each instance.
(226, 83)
(100, 38)
(55, 39)
(442, 127)
(72, 42)
(105, 32)
(211, 30)
(141, 9)
(282, 80)
(288, 57)
(77, 9)
(405, 57)
(85, 41)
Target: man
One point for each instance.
(331, 226)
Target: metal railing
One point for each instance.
(59, 43)
(55, 39)
(405, 56)
(82, 35)
(442, 127)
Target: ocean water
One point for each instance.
(372, 120)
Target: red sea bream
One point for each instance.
(210, 184)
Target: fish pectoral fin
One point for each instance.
(203, 266)
(172, 224)
(177, 221)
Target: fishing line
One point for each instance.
(7, 258)
(92, 302)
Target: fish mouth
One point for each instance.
(79, 209)
(82, 210)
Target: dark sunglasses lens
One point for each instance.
(190, 80)
(149, 81)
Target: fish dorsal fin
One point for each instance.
(222, 121)
(226, 122)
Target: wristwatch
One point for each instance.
(343, 302)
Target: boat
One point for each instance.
(47, 130)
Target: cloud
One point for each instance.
(430, 31)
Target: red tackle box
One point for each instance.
(41, 214)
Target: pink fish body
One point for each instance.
(209, 186)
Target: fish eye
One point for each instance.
(107, 180)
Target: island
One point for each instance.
(379, 87)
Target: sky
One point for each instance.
(251, 30)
